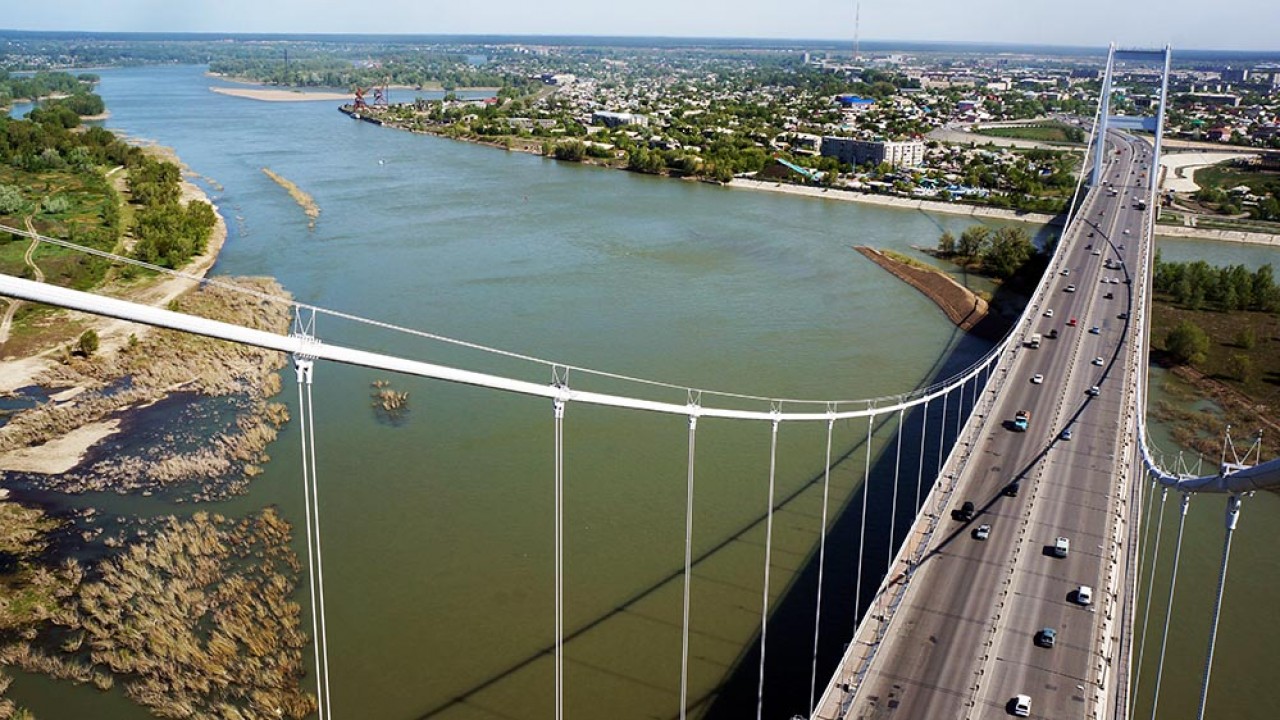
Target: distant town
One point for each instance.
(991, 127)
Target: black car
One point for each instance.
(966, 511)
(1011, 490)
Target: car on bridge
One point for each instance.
(1070, 288)
(1095, 330)
(1072, 322)
(1037, 379)
(1048, 313)
(1061, 547)
(1098, 361)
(982, 532)
(1047, 637)
(1093, 391)
(1066, 434)
(1021, 705)
(1084, 595)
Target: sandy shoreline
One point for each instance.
(894, 201)
(60, 454)
(275, 95)
(66, 452)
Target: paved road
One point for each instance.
(961, 644)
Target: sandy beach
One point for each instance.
(278, 95)
(64, 453)
(60, 454)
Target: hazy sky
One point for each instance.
(1228, 24)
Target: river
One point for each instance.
(437, 529)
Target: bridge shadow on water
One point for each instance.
(789, 653)
(789, 650)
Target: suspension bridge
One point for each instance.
(945, 620)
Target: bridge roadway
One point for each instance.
(961, 643)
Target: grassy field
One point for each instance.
(1243, 380)
(1225, 177)
(77, 213)
(1050, 132)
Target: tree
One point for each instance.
(972, 241)
(87, 345)
(1006, 253)
(11, 200)
(1246, 338)
(1241, 367)
(1187, 344)
(947, 243)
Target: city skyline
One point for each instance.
(1182, 23)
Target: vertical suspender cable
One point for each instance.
(303, 368)
(893, 513)
(942, 435)
(1233, 516)
(862, 526)
(924, 428)
(1151, 582)
(960, 412)
(688, 567)
(315, 505)
(768, 556)
(1168, 610)
(822, 559)
(559, 553)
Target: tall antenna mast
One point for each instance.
(857, 26)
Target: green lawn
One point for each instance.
(1262, 381)
(1226, 177)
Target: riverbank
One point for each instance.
(894, 201)
(135, 367)
(963, 307)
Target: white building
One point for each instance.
(909, 153)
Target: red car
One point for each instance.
(1071, 322)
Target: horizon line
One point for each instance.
(1099, 49)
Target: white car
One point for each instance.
(1037, 378)
(1071, 288)
(1048, 313)
(1084, 595)
(1061, 547)
(1126, 231)
(1097, 361)
(1093, 391)
(1022, 705)
(1066, 272)
(1098, 252)
(1115, 281)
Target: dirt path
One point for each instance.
(29, 257)
(6, 324)
(114, 334)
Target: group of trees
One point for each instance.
(167, 232)
(313, 69)
(1000, 252)
(1199, 285)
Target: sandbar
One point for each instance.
(275, 95)
(60, 454)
